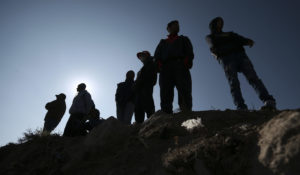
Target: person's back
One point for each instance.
(82, 103)
(147, 76)
(56, 110)
(226, 43)
(125, 98)
(124, 92)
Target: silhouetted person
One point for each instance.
(81, 107)
(174, 57)
(125, 99)
(144, 83)
(228, 49)
(93, 119)
(56, 110)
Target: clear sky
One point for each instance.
(48, 47)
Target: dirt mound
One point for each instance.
(226, 142)
(280, 143)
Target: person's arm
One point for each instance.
(50, 105)
(138, 82)
(189, 53)
(244, 41)
(88, 102)
(158, 55)
(213, 50)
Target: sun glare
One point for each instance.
(90, 85)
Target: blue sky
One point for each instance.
(48, 47)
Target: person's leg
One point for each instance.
(149, 102)
(249, 72)
(184, 87)
(139, 112)
(230, 70)
(75, 126)
(69, 127)
(166, 84)
(128, 112)
(120, 111)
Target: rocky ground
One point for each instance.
(224, 143)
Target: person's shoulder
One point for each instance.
(121, 84)
(162, 41)
(183, 36)
(209, 36)
(230, 33)
(86, 93)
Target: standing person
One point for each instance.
(81, 107)
(56, 110)
(174, 57)
(125, 99)
(144, 83)
(228, 49)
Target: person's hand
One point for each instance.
(188, 63)
(250, 43)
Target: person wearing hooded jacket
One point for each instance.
(80, 108)
(174, 57)
(228, 49)
(56, 110)
(124, 98)
(143, 88)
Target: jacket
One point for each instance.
(82, 103)
(225, 43)
(56, 109)
(125, 92)
(174, 48)
(147, 76)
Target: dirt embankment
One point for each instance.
(226, 142)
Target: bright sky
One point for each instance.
(48, 47)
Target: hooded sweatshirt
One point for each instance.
(82, 103)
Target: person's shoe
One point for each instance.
(242, 107)
(269, 105)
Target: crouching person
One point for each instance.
(81, 107)
(56, 110)
(144, 84)
(93, 120)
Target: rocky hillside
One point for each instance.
(221, 143)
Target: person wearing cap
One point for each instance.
(80, 108)
(228, 49)
(56, 110)
(145, 81)
(125, 98)
(174, 57)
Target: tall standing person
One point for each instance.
(81, 107)
(174, 58)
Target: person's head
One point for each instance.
(81, 87)
(143, 56)
(216, 25)
(95, 113)
(61, 96)
(173, 27)
(130, 75)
